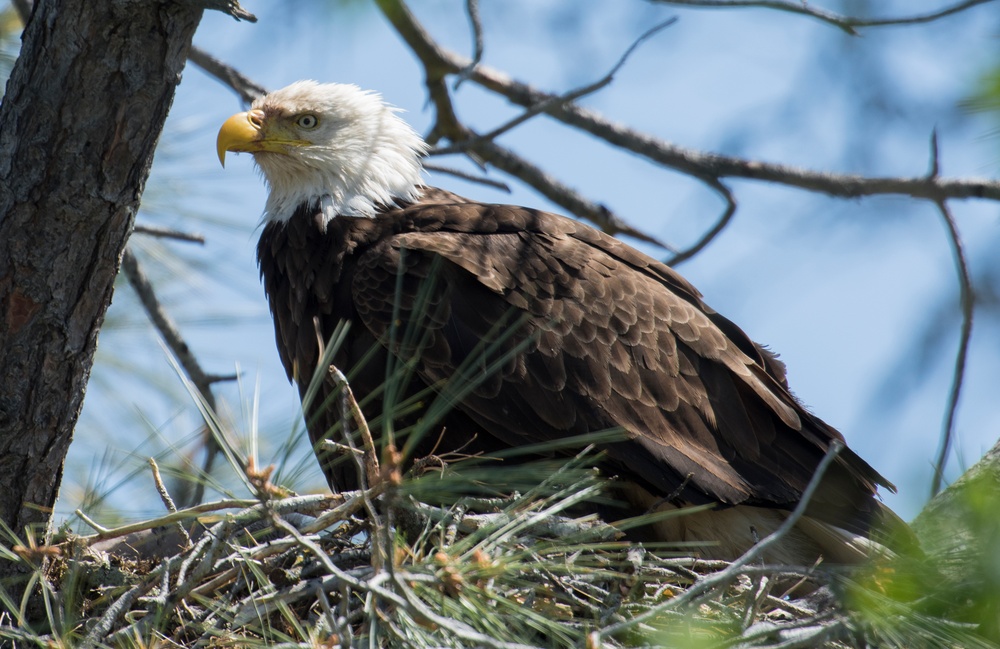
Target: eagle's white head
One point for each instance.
(332, 144)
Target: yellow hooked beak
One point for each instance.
(248, 133)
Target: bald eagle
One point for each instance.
(586, 333)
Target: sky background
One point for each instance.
(858, 297)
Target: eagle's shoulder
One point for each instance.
(439, 219)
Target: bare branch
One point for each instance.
(720, 225)
(161, 488)
(247, 89)
(166, 326)
(967, 299)
(563, 99)
(709, 165)
(849, 24)
(476, 23)
(172, 336)
(440, 62)
(735, 568)
(228, 7)
(167, 233)
(560, 194)
(168, 502)
(489, 182)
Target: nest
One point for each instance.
(390, 566)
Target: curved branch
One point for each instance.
(849, 24)
(476, 24)
(967, 299)
(720, 225)
(557, 192)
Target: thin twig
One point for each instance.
(559, 193)
(228, 7)
(366, 461)
(967, 299)
(476, 24)
(836, 446)
(368, 586)
(353, 411)
(720, 225)
(489, 182)
(849, 24)
(300, 504)
(172, 336)
(168, 502)
(735, 568)
(161, 489)
(563, 99)
(100, 529)
(167, 233)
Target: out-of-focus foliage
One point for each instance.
(10, 33)
(960, 532)
(987, 97)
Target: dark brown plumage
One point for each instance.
(586, 334)
(610, 338)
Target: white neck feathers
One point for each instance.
(360, 157)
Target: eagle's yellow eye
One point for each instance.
(307, 121)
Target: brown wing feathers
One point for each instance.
(612, 338)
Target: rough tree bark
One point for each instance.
(83, 110)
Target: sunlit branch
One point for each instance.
(480, 150)
(710, 165)
(849, 24)
(557, 192)
(440, 62)
(246, 88)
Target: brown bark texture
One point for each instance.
(82, 113)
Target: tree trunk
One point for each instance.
(84, 108)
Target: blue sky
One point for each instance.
(841, 289)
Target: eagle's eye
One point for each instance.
(307, 121)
